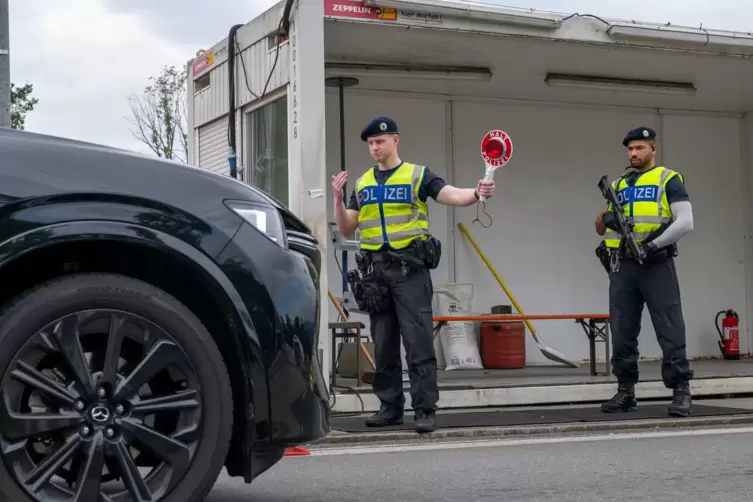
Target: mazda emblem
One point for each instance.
(100, 414)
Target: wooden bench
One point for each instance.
(596, 327)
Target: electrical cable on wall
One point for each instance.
(233, 45)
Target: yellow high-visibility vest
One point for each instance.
(391, 212)
(646, 202)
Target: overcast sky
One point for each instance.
(85, 57)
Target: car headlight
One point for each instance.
(265, 218)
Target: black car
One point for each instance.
(158, 322)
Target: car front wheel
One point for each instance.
(110, 390)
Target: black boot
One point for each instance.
(623, 401)
(681, 401)
(425, 422)
(384, 418)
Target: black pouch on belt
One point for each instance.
(433, 252)
(356, 286)
(603, 254)
(429, 252)
(376, 295)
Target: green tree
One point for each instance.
(21, 103)
(159, 114)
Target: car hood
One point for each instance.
(51, 164)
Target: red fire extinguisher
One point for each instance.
(729, 334)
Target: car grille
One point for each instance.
(306, 244)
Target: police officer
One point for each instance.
(658, 202)
(388, 205)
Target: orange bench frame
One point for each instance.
(596, 327)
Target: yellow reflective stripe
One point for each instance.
(662, 190)
(365, 225)
(355, 186)
(372, 240)
(639, 236)
(648, 220)
(403, 243)
(416, 178)
(392, 220)
(395, 238)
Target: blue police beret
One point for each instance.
(644, 133)
(380, 125)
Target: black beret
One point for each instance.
(380, 125)
(644, 133)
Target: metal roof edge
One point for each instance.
(574, 28)
(469, 17)
(466, 7)
(482, 17)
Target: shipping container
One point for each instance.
(566, 88)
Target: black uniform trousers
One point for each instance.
(410, 314)
(654, 283)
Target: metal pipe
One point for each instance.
(681, 35)
(5, 115)
(231, 137)
(341, 83)
(342, 168)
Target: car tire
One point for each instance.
(53, 300)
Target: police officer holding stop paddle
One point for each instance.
(397, 251)
(641, 267)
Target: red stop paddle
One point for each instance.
(496, 150)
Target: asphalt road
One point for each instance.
(699, 466)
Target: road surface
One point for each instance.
(698, 465)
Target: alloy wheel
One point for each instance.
(99, 405)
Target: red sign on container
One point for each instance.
(356, 9)
(202, 62)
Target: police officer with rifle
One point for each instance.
(393, 282)
(648, 210)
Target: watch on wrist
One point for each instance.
(475, 194)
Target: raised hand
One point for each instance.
(338, 182)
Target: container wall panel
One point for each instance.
(542, 240)
(213, 146)
(258, 66)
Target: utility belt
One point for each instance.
(611, 257)
(370, 289)
(420, 253)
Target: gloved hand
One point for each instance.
(649, 248)
(610, 221)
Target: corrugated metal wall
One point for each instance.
(258, 62)
(213, 146)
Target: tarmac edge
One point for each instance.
(340, 439)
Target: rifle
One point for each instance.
(625, 225)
